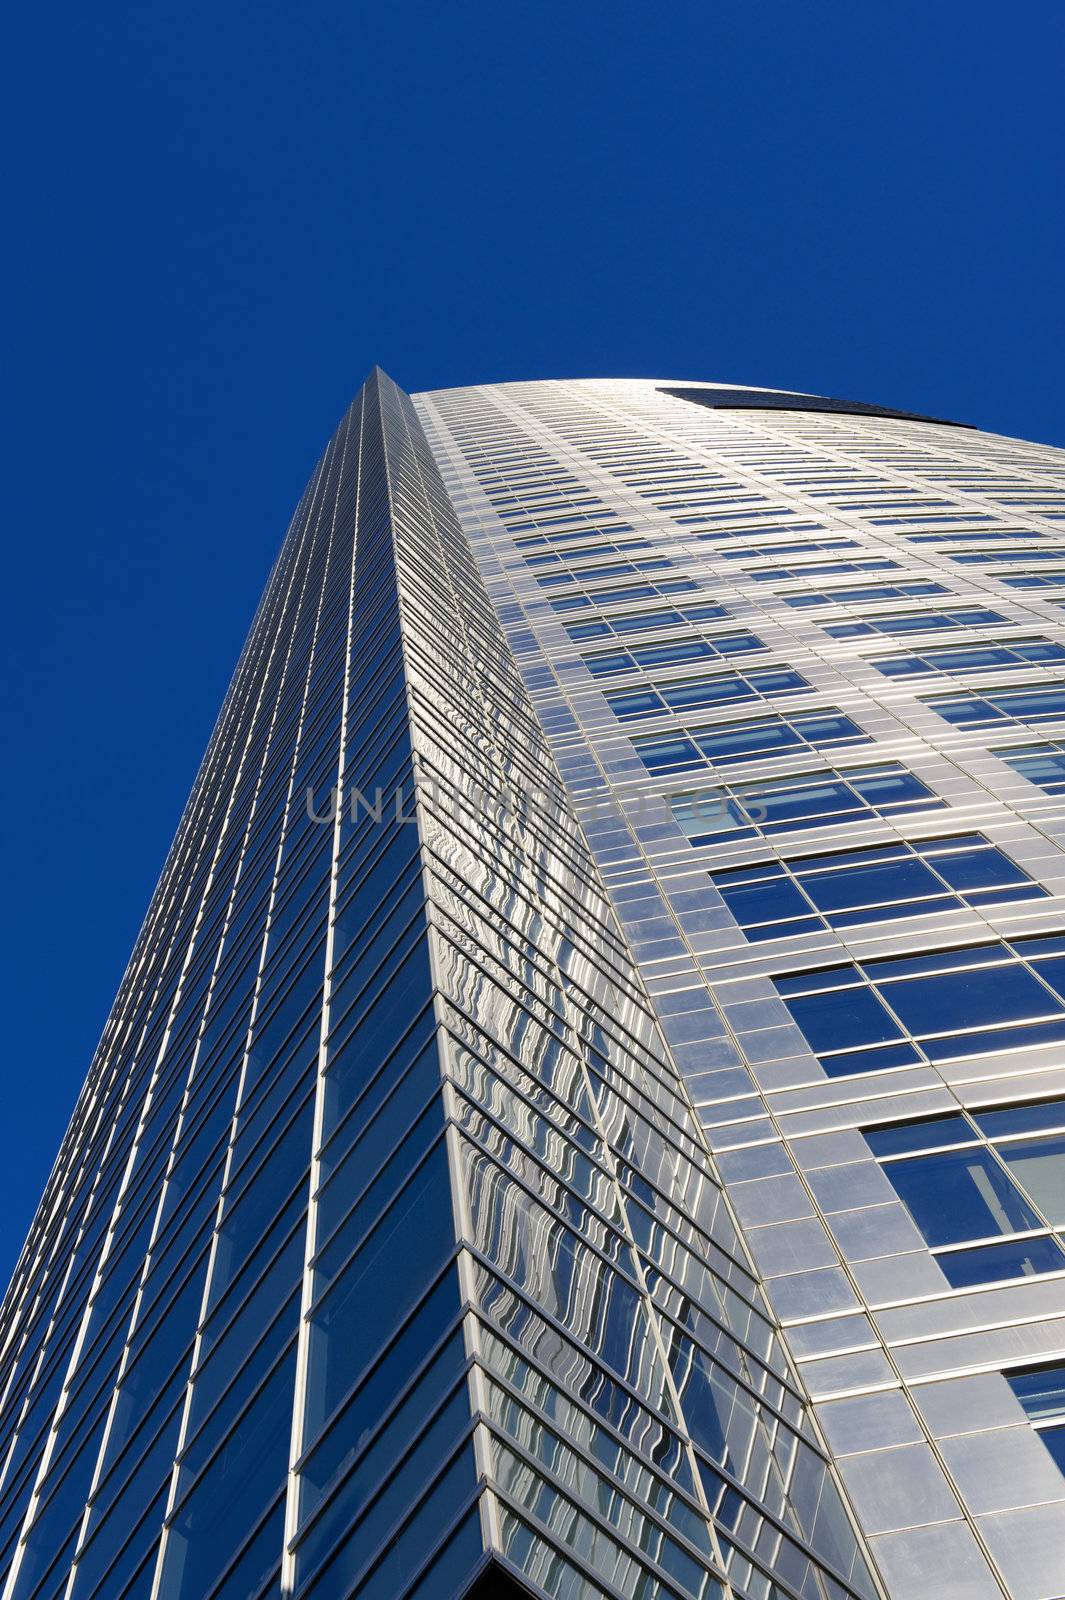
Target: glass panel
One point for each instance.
(416, 1231)
(843, 1018)
(679, 696)
(1021, 1119)
(1054, 1439)
(895, 877)
(1041, 1393)
(960, 1195)
(967, 999)
(904, 1137)
(1039, 1166)
(1020, 1258)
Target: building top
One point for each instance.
(746, 397)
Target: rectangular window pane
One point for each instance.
(959, 1195)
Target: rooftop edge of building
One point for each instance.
(724, 397)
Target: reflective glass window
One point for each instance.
(668, 653)
(1035, 1117)
(750, 740)
(686, 693)
(955, 1195)
(972, 658)
(863, 594)
(623, 594)
(950, 1004)
(817, 569)
(991, 1263)
(971, 1176)
(1042, 764)
(915, 622)
(1030, 704)
(1041, 1392)
(812, 892)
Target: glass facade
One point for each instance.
(527, 1151)
(837, 860)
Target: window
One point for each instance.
(600, 546)
(533, 541)
(543, 520)
(770, 551)
(915, 622)
(1041, 764)
(685, 693)
(670, 654)
(783, 527)
(920, 515)
(868, 592)
(810, 893)
(1041, 1391)
(815, 800)
(752, 740)
(627, 594)
(971, 658)
(984, 1187)
(1032, 580)
(609, 569)
(816, 569)
(884, 502)
(705, 499)
(986, 558)
(975, 534)
(907, 1009)
(747, 515)
(1019, 706)
(645, 621)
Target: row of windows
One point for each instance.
(723, 688)
(624, 594)
(678, 473)
(800, 547)
(1039, 505)
(971, 658)
(709, 503)
(815, 800)
(814, 569)
(530, 492)
(1019, 706)
(611, 662)
(916, 622)
(808, 894)
(1032, 580)
(754, 739)
(1041, 764)
(984, 1188)
(602, 570)
(610, 530)
(987, 558)
(974, 535)
(749, 516)
(543, 521)
(893, 499)
(864, 1017)
(967, 517)
(867, 592)
(642, 621)
(602, 547)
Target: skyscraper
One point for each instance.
(585, 1113)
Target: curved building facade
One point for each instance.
(585, 1114)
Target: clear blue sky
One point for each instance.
(223, 214)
